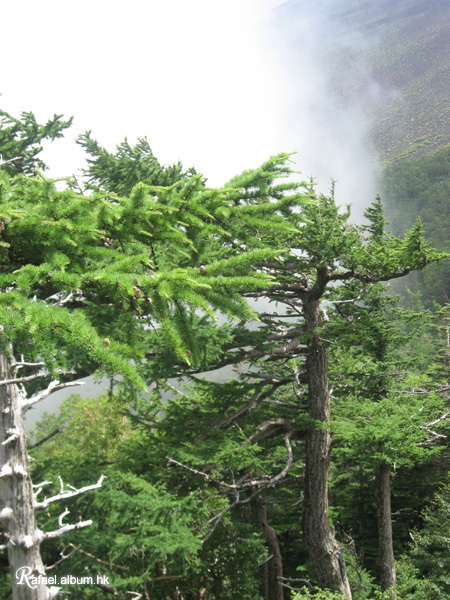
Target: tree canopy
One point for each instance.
(229, 487)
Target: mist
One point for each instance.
(279, 78)
(329, 98)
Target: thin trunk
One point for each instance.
(324, 551)
(386, 547)
(16, 496)
(272, 570)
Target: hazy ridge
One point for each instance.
(390, 58)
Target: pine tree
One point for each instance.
(20, 141)
(83, 281)
(323, 251)
(387, 427)
(118, 173)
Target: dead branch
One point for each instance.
(46, 438)
(175, 462)
(286, 424)
(218, 517)
(16, 380)
(52, 387)
(63, 557)
(64, 494)
(308, 583)
(15, 365)
(99, 560)
(264, 482)
(65, 529)
(438, 420)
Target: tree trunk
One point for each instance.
(16, 497)
(272, 570)
(386, 547)
(324, 551)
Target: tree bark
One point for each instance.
(272, 570)
(17, 498)
(386, 547)
(325, 553)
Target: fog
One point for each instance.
(330, 98)
(250, 79)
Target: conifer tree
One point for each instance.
(389, 410)
(120, 172)
(20, 141)
(83, 281)
(323, 251)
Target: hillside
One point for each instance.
(389, 59)
(387, 65)
(421, 188)
(413, 64)
(408, 58)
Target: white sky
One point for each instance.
(221, 85)
(194, 76)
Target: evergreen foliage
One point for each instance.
(20, 141)
(68, 261)
(208, 479)
(430, 553)
(118, 173)
(421, 188)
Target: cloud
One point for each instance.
(327, 124)
(194, 77)
(218, 85)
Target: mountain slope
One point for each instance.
(389, 59)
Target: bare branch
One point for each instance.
(265, 482)
(61, 517)
(46, 438)
(288, 333)
(175, 462)
(417, 391)
(69, 493)
(269, 481)
(217, 518)
(284, 404)
(263, 316)
(99, 560)
(308, 583)
(60, 298)
(19, 365)
(264, 561)
(52, 387)
(59, 532)
(433, 433)
(287, 348)
(438, 420)
(289, 587)
(39, 486)
(14, 435)
(63, 557)
(285, 423)
(24, 379)
(5, 162)
(107, 588)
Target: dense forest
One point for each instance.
(421, 188)
(317, 467)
